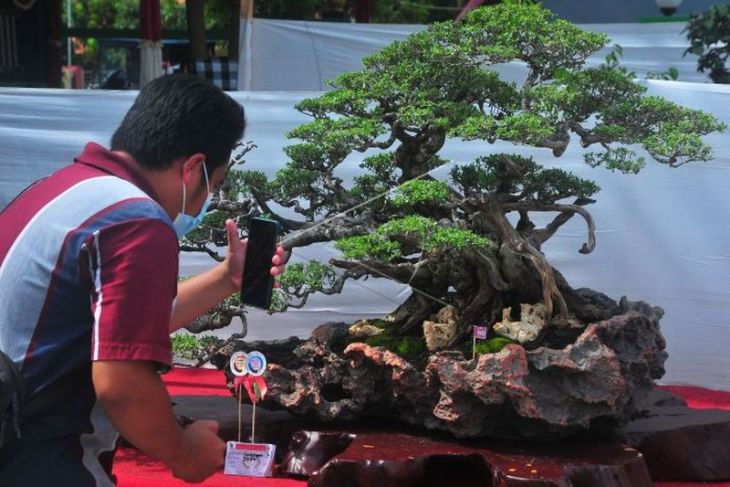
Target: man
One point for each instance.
(89, 291)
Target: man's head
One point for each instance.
(175, 117)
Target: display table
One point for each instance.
(133, 468)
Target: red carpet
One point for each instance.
(134, 469)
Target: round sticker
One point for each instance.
(238, 364)
(256, 363)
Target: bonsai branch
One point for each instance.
(538, 237)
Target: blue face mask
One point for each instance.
(185, 223)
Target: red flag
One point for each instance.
(255, 386)
(480, 332)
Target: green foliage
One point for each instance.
(124, 14)
(549, 185)
(334, 138)
(312, 275)
(379, 179)
(211, 230)
(492, 345)
(191, 346)
(531, 33)
(413, 226)
(245, 183)
(454, 240)
(407, 102)
(364, 247)
(286, 9)
(420, 191)
(515, 174)
(671, 74)
(280, 300)
(402, 345)
(302, 278)
(709, 36)
(525, 128)
(619, 159)
(390, 240)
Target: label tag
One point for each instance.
(480, 332)
(249, 459)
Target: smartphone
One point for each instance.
(258, 283)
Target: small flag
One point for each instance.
(255, 387)
(480, 332)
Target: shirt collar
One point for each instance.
(96, 156)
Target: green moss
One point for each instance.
(402, 345)
(493, 345)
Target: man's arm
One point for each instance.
(197, 295)
(136, 401)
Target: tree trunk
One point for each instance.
(412, 313)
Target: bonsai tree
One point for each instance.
(451, 239)
(709, 36)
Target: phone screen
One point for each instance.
(258, 282)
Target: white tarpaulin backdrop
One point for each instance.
(663, 235)
(295, 55)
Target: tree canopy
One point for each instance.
(452, 240)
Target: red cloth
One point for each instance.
(150, 25)
(134, 469)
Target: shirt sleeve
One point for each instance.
(134, 273)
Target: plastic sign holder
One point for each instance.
(249, 459)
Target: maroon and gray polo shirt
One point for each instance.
(88, 271)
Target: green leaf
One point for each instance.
(421, 191)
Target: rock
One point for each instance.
(527, 329)
(332, 336)
(600, 378)
(363, 329)
(447, 314)
(341, 458)
(563, 321)
(438, 335)
(441, 332)
(279, 351)
(591, 306)
(679, 443)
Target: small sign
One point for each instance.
(249, 459)
(480, 332)
(256, 364)
(238, 364)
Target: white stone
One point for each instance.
(363, 329)
(527, 329)
(441, 329)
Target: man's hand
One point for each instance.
(204, 452)
(197, 295)
(236, 258)
(136, 402)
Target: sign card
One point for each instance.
(249, 459)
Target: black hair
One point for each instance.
(177, 116)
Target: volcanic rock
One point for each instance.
(599, 379)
